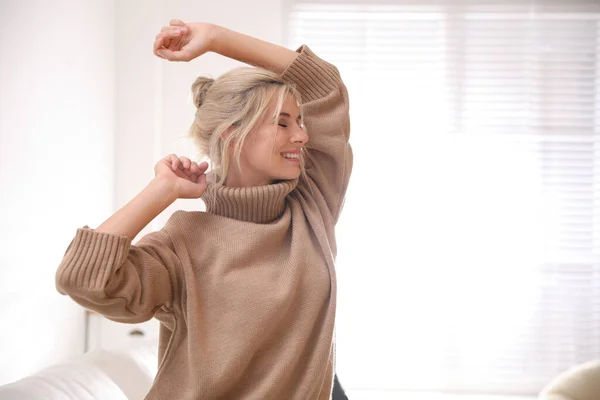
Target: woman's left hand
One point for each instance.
(183, 42)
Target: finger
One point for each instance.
(180, 55)
(158, 43)
(176, 22)
(170, 28)
(167, 40)
(171, 160)
(203, 166)
(195, 168)
(185, 162)
(167, 37)
(176, 164)
(191, 175)
(170, 36)
(187, 171)
(175, 43)
(201, 179)
(180, 174)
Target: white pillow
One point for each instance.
(81, 381)
(581, 382)
(100, 374)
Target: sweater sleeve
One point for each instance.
(325, 105)
(126, 283)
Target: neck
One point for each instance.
(236, 179)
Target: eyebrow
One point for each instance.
(284, 114)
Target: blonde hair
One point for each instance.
(229, 108)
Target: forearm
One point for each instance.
(251, 50)
(140, 211)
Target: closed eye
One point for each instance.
(283, 125)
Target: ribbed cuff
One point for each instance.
(90, 259)
(313, 77)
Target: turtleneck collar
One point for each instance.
(258, 204)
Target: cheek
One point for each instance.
(273, 145)
(264, 147)
(261, 155)
(281, 140)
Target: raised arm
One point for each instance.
(184, 42)
(325, 106)
(104, 272)
(324, 98)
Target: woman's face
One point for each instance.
(266, 157)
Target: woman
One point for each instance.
(246, 291)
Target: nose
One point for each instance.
(299, 135)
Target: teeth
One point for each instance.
(291, 155)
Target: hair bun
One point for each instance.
(199, 89)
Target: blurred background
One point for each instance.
(469, 246)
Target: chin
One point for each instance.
(288, 177)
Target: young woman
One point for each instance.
(246, 291)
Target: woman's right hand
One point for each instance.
(184, 42)
(184, 177)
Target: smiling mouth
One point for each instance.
(293, 157)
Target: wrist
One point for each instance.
(163, 190)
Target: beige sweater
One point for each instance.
(246, 291)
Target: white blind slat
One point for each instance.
(476, 129)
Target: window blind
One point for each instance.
(469, 247)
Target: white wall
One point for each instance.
(154, 102)
(57, 102)
(85, 112)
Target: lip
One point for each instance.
(292, 160)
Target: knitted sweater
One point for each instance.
(246, 291)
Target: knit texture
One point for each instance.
(246, 291)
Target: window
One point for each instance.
(469, 247)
